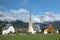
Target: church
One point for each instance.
(8, 29)
(33, 28)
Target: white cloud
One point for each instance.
(13, 15)
(50, 14)
(20, 11)
(5, 16)
(23, 14)
(48, 17)
(57, 17)
(1, 13)
(37, 19)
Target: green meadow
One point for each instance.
(31, 37)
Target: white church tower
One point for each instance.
(31, 30)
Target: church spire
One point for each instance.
(30, 25)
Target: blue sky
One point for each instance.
(36, 7)
(48, 10)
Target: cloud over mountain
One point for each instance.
(13, 15)
(47, 17)
(23, 15)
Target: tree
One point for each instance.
(51, 28)
(1, 26)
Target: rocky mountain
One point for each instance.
(21, 24)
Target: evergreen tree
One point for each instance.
(1, 26)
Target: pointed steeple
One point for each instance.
(31, 30)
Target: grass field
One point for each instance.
(31, 37)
